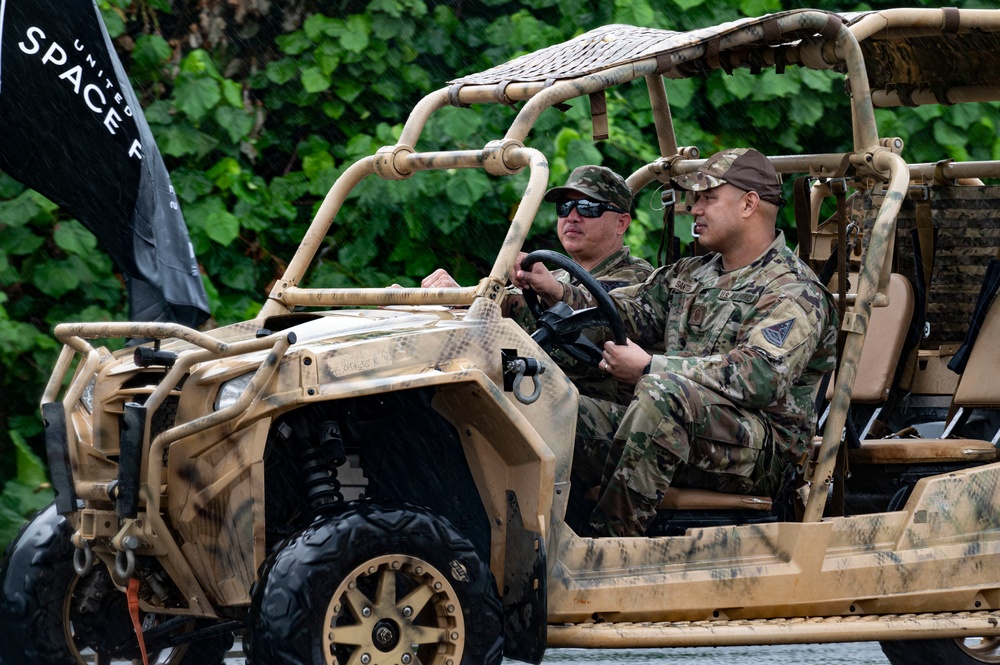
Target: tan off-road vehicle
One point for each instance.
(390, 483)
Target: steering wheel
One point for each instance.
(560, 325)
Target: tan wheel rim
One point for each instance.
(394, 610)
(983, 649)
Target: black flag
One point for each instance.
(72, 129)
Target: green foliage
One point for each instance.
(257, 121)
(25, 493)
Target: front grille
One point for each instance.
(164, 417)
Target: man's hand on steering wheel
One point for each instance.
(560, 326)
(538, 279)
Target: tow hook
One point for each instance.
(83, 558)
(125, 558)
(515, 368)
(125, 544)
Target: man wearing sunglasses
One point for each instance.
(741, 338)
(593, 215)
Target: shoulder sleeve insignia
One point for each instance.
(783, 330)
(778, 332)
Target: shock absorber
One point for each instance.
(320, 461)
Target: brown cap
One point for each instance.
(740, 167)
(598, 183)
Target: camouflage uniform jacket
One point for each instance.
(618, 269)
(761, 336)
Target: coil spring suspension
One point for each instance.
(320, 462)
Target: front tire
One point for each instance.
(376, 585)
(49, 615)
(969, 651)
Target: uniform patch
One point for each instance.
(697, 316)
(777, 334)
(782, 330)
(738, 296)
(682, 286)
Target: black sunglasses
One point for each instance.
(586, 208)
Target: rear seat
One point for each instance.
(977, 388)
(966, 237)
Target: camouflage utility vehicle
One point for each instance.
(390, 483)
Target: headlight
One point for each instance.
(230, 391)
(87, 398)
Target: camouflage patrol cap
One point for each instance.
(598, 183)
(741, 167)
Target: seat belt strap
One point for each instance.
(666, 253)
(803, 216)
(925, 231)
(844, 260)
